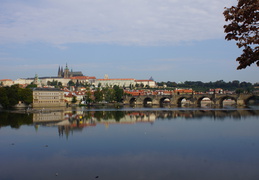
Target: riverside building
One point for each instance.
(48, 97)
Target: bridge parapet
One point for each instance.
(194, 99)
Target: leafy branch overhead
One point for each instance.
(243, 28)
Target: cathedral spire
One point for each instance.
(59, 72)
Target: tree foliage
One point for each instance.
(10, 96)
(98, 94)
(118, 93)
(243, 28)
(4, 98)
(15, 120)
(108, 94)
(74, 100)
(25, 95)
(70, 83)
(88, 97)
(205, 86)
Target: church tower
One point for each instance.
(37, 81)
(59, 72)
(66, 72)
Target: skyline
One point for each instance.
(170, 40)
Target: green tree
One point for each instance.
(77, 83)
(118, 92)
(70, 83)
(243, 28)
(12, 94)
(53, 83)
(88, 98)
(3, 98)
(60, 84)
(74, 100)
(239, 90)
(31, 86)
(25, 95)
(109, 94)
(98, 94)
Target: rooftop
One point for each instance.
(46, 89)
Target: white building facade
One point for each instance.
(48, 97)
(113, 82)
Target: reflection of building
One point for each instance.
(48, 117)
(48, 97)
(75, 121)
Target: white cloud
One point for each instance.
(137, 22)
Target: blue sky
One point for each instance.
(170, 40)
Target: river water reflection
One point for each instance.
(130, 144)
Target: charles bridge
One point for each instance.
(194, 100)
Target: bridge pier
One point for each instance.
(241, 102)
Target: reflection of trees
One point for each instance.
(185, 114)
(15, 120)
(78, 120)
(118, 115)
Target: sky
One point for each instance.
(170, 40)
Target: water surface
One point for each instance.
(151, 143)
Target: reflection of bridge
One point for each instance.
(193, 99)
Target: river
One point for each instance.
(131, 144)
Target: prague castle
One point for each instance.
(64, 76)
(67, 74)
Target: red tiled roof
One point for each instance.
(184, 90)
(144, 81)
(82, 77)
(6, 80)
(114, 79)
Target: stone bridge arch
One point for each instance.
(147, 101)
(194, 99)
(201, 98)
(164, 100)
(223, 98)
(132, 101)
(251, 97)
(181, 98)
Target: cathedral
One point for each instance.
(65, 73)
